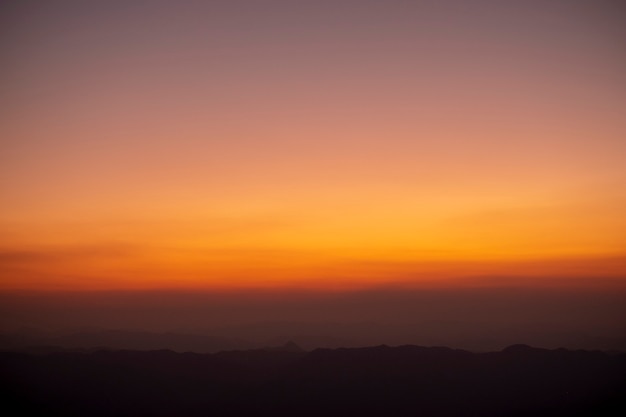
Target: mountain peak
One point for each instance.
(290, 346)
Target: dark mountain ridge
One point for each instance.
(402, 381)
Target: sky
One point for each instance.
(312, 145)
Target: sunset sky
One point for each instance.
(244, 144)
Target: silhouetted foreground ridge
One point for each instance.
(394, 381)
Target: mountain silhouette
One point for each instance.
(290, 346)
(401, 381)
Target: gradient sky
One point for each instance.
(312, 144)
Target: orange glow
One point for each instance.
(364, 154)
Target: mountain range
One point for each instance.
(285, 381)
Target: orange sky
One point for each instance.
(328, 144)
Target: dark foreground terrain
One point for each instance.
(376, 381)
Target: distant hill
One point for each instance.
(373, 381)
(122, 339)
(476, 337)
